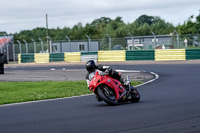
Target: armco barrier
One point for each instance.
(192, 54)
(55, 57)
(169, 54)
(72, 57)
(85, 56)
(27, 58)
(140, 55)
(118, 55)
(42, 58)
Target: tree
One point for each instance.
(77, 31)
(190, 27)
(146, 19)
(197, 26)
(98, 29)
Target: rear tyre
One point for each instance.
(108, 95)
(135, 96)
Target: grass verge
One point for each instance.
(15, 92)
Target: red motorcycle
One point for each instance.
(111, 90)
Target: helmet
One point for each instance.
(90, 66)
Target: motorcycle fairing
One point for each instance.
(99, 80)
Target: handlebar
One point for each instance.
(103, 73)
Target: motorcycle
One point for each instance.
(110, 90)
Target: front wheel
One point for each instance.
(108, 95)
(135, 96)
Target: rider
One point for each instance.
(91, 67)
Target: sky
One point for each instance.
(18, 15)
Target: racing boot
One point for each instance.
(132, 88)
(128, 96)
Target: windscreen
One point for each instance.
(91, 75)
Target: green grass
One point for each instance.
(15, 92)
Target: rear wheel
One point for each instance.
(135, 96)
(108, 95)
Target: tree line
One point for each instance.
(116, 28)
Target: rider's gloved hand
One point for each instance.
(109, 71)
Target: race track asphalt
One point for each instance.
(171, 104)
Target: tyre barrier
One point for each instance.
(56, 57)
(169, 54)
(42, 58)
(27, 58)
(19, 58)
(117, 55)
(192, 54)
(85, 56)
(140, 55)
(73, 57)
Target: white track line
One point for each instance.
(44, 100)
(129, 71)
(156, 77)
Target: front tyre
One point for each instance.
(108, 95)
(135, 96)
